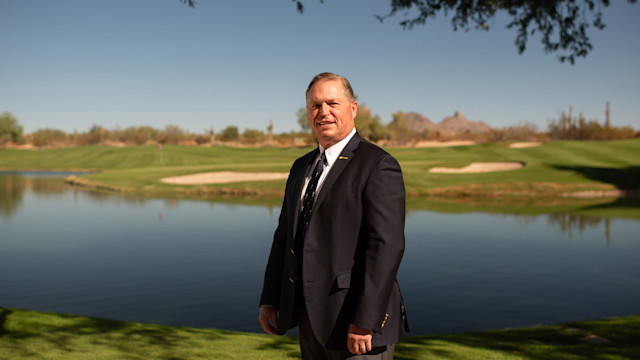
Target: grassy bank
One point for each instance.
(28, 334)
(551, 169)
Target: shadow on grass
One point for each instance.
(62, 332)
(598, 339)
(624, 178)
(4, 313)
(26, 334)
(286, 344)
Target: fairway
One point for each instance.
(555, 169)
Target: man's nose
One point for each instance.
(324, 109)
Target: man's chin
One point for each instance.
(326, 128)
(328, 135)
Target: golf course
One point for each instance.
(592, 178)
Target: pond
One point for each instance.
(201, 263)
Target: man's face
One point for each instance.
(330, 112)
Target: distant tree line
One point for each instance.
(397, 132)
(569, 127)
(11, 133)
(10, 130)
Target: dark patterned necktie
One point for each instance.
(308, 199)
(305, 213)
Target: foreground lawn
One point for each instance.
(28, 334)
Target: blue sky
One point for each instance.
(70, 64)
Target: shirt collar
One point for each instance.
(335, 150)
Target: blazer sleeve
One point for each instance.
(383, 234)
(275, 265)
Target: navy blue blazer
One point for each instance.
(352, 248)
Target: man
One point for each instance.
(340, 239)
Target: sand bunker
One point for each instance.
(479, 167)
(222, 177)
(520, 145)
(422, 144)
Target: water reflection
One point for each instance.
(11, 194)
(200, 263)
(13, 187)
(568, 224)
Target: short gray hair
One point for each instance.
(327, 76)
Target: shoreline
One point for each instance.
(576, 191)
(188, 187)
(560, 169)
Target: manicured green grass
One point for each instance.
(551, 169)
(28, 334)
(146, 156)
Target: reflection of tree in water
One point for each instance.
(11, 194)
(526, 219)
(570, 223)
(106, 197)
(46, 186)
(13, 188)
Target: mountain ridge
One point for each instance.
(455, 124)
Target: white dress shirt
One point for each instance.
(331, 153)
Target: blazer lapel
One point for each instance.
(297, 188)
(341, 163)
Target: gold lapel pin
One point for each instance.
(343, 157)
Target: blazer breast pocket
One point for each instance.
(343, 188)
(343, 199)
